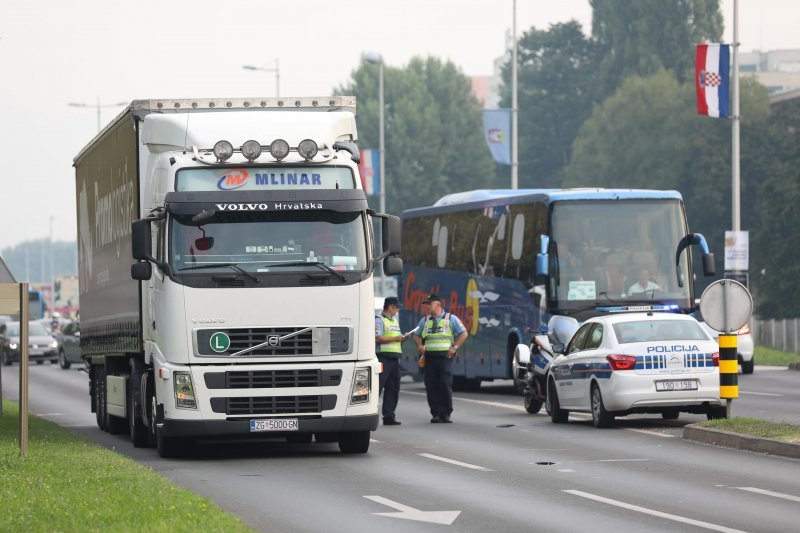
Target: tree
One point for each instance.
(642, 37)
(556, 71)
(433, 131)
(648, 135)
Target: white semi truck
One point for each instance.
(226, 256)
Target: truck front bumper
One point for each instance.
(200, 428)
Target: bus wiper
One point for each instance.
(234, 266)
(315, 263)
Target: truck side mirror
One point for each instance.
(141, 270)
(141, 243)
(393, 266)
(390, 234)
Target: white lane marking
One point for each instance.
(470, 400)
(773, 394)
(375, 440)
(645, 510)
(566, 470)
(770, 493)
(649, 432)
(454, 462)
(604, 461)
(409, 513)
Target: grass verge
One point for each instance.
(67, 483)
(773, 357)
(757, 428)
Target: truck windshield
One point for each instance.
(617, 251)
(261, 242)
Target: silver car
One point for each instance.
(744, 343)
(41, 345)
(69, 340)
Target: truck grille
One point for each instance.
(273, 405)
(273, 379)
(299, 344)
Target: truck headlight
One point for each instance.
(361, 385)
(184, 391)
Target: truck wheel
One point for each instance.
(136, 427)
(354, 441)
(532, 404)
(62, 360)
(600, 417)
(99, 386)
(747, 366)
(557, 414)
(150, 407)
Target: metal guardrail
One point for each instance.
(781, 334)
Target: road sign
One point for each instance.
(726, 305)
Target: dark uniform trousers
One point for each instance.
(389, 384)
(439, 383)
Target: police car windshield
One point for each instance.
(617, 251)
(253, 241)
(659, 330)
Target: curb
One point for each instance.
(741, 442)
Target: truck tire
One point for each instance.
(136, 427)
(99, 395)
(62, 360)
(354, 441)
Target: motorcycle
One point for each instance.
(530, 366)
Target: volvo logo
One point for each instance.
(274, 340)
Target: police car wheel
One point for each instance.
(600, 417)
(557, 415)
(532, 404)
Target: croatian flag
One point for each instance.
(369, 168)
(711, 79)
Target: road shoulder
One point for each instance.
(729, 439)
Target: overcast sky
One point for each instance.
(53, 52)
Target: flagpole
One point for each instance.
(736, 222)
(514, 110)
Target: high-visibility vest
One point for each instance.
(437, 334)
(391, 329)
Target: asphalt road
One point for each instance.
(496, 468)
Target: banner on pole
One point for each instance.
(497, 132)
(369, 168)
(737, 250)
(712, 79)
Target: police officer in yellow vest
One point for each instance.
(388, 342)
(438, 338)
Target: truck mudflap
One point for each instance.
(201, 428)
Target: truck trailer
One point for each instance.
(226, 262)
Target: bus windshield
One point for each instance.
(609, 252)
(293, 241)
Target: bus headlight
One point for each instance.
(361, 385)
(184, 391)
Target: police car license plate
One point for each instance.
(283, 424)
(676, 384)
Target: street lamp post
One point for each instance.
(374, 58)
(52, 277)
(97, 106)
(277, 72)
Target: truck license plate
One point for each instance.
(283, 424)
(676, 384)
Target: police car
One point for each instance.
(627, 363)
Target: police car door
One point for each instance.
(590, 364)
(568, 383)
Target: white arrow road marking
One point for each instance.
(409, 513)
(645, 510)
(770, 493)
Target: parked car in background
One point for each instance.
(69, 344)
(744, 343)
(41, 345)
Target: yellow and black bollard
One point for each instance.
(728, 371)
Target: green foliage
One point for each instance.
(772, 357)
(433, 131)
(66, 483)
(782, 431)
(642, 37)
(556, 75)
